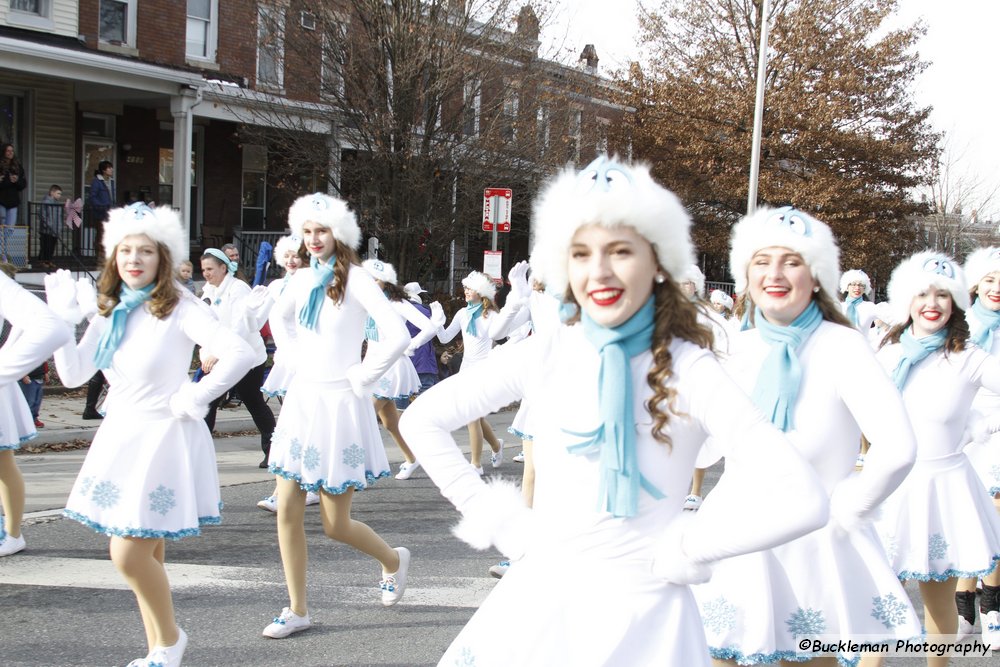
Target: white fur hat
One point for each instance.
(608, 193)
(414, 290)
(380, 270)
(284, 245)
(694, 275)
(720, 298)
(786, 227)
(162, 224)
(979, 263)
(328, 211)
(481, 283)
(924, 270)
(855, 276)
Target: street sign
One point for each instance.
(496, 209)
(493, 265)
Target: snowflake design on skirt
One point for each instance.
(719, 615)
(310, 458)
(995, 472)
(806, 622)
(937, 547)
(889, 610)
(383, 384)
(105, 494)
(162, 500)
(354, 456)
(466, 659)
(295, 451)
(85, 485)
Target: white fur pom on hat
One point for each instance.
(162, 224)
(694, 275)
(720, 298)
(979, 263)
(329, 212)
(611, 194)
(481, 283)
(286, 244)
(380, 270)
(855, 276)
(920, 272)
(786, 227)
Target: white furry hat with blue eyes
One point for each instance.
(611, 194)
(286, 244)
(380, 270)
(785, 227)
(694, 275)
(481, 283)
(720, 298)
(329, 212)
(855, 276)
(921, 272)
(162, 224)
(979, 263)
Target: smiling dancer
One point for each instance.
(625, 397)
(860, 313)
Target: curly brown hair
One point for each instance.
(958, 331)
(164, 297)
(394, 292)
(346, 257)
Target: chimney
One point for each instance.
(527, 24)
(589, 58)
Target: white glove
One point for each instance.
(497, 516)
(60, 294)
(356, 376)
(844, 514)
(981, 428)
(438, 318)
(185, 404)
(86, 296)
(518, 277)
(257, 298)
(669, 560)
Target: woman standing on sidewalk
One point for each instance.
(150, 473)
(36, 332)
(327, 438)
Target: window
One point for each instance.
(270, 46)
(603, 129)
(511, 105)
(31, 14)
(254, 199)
(574, 130)
(332, 62)
(36, 7)
(202, 28)
(542, 124)
(472, 100)
(116, 22)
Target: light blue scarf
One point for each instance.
(915, 350)
(614, 441)
(990, 319)
(474, 310)
(322, 275)
(777, 387)
(128, 300)
(371, 329)
(852, 310)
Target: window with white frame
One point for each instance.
(202, 29)
(543, 130)
(31, 14)
(333, 60)
(574, 134)
(41, 8)
(511, 108)
(472, 96)
(116, 22)
(270, 46)
(603, 129)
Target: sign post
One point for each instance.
(496, 219)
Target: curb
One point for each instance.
(231, 425)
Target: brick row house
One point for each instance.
(140, 83)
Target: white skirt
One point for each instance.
(148, 475)
(985, 459)
(757, 607)
(940, 523)
(327, 438)
(521, 426)
(277, 380)
(581, 610)
(16, 423)
(400, 381)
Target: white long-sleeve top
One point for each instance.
(327, 352)
(228, 302)
(986, 401)
(417, 319)
(476, 347)
(41, 331)
(866, 315)
(541, 312)
(558, 373)
(843, 393)
(938, 394)
(154, 356)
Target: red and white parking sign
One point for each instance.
(496, 209)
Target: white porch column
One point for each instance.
(180, 109)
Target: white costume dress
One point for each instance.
(941, 523)
(228, 304)
(584, 594)
(985, 456)
(280, 375)
(148, 473)
(476, 347)
(830, 582)
(401, 380)
(866, 314)
(327, 436)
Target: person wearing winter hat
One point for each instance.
(939, 524)
(624, 392)
(982, 274)
(401, 380)
(413, 291)
(327, 439)
(142, 337)
(815, 377)
(859, 312)
(722, 303)
(692, 283)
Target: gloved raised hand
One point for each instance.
(60, 294)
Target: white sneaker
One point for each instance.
(312, 498)
(692, 502)
(168, 656)
(478, 470)
(394, 585)
(270, 504)
(11, 545)
(965, 629)
(499, 569)
(991, 630)
(519, 458)
(497, 457)
(287, 623)
(407, 469)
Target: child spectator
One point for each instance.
(50, 214)
(185, 271)
(32, 385)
